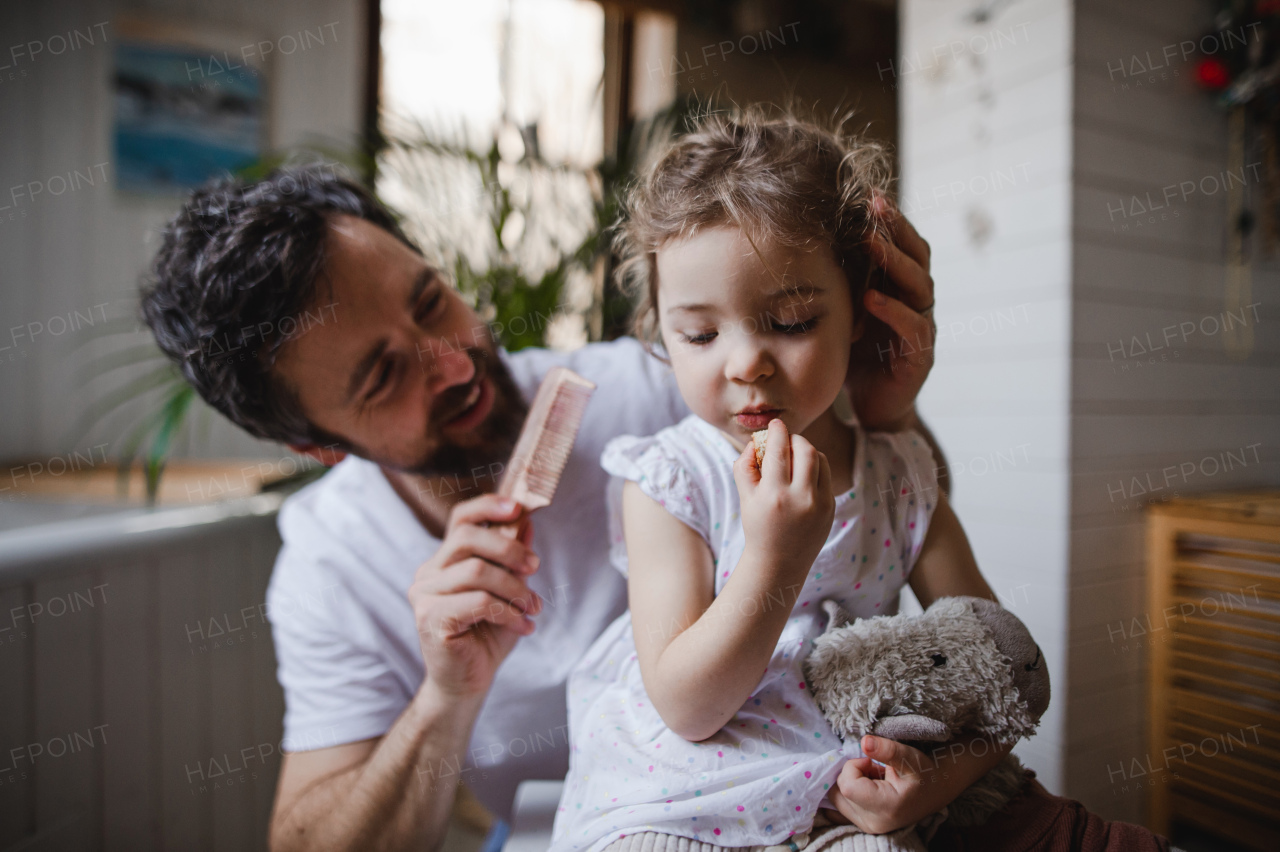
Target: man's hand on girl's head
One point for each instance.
(886, 372)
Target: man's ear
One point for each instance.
(327, 455)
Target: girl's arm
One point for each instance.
(914, 784)
(946, 566)
(702, 654)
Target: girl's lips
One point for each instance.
(756, 420)
(477, 411)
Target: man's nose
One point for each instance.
(749, 359)
(445, 365)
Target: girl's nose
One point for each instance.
(749, 360)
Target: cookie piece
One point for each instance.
(759, 439)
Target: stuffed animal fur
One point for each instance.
(965, 666)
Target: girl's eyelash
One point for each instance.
(783, 328)
(796, 327)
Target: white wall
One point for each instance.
(1136, 275)
(87, 247)
(1036, 356)
(985, 122)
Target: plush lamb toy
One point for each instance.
(965, 666)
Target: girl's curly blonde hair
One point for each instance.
(780, 178)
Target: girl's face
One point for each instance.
(754, 333)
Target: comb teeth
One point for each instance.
(547, 438)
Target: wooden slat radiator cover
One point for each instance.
(1214, 682)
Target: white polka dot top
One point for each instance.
(761, 778)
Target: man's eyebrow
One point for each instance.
(362, 370)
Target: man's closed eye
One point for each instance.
(428, 308)
(383, 377)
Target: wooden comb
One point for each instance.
(545, 441)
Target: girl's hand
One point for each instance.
(788, 506)
(886, 371)
(881, 799)
(911, 785)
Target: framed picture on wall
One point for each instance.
(190, 103)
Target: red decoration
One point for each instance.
(1212, 73)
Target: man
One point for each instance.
(431, 649)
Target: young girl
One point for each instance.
(689, 717)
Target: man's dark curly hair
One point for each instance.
(237, 276)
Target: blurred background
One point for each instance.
(1100, 185)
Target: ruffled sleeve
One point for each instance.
(908, 485)
(655, 466)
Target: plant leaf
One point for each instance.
(118, 358)
(129, 449)
(130, 391)
(174, 416)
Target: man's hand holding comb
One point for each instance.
(471, 600)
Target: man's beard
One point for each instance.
(491, 442)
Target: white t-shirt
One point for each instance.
(348, 650)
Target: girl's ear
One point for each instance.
(859, 323)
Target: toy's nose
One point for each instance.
(1030, 673)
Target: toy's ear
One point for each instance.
(1011, 637)
(911, 726)
(836, 617)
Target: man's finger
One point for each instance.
(489, 544)
(478, 510)
(912, 278)
(456, 614)
(478, 575)
(907, 237)
(910, 325)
